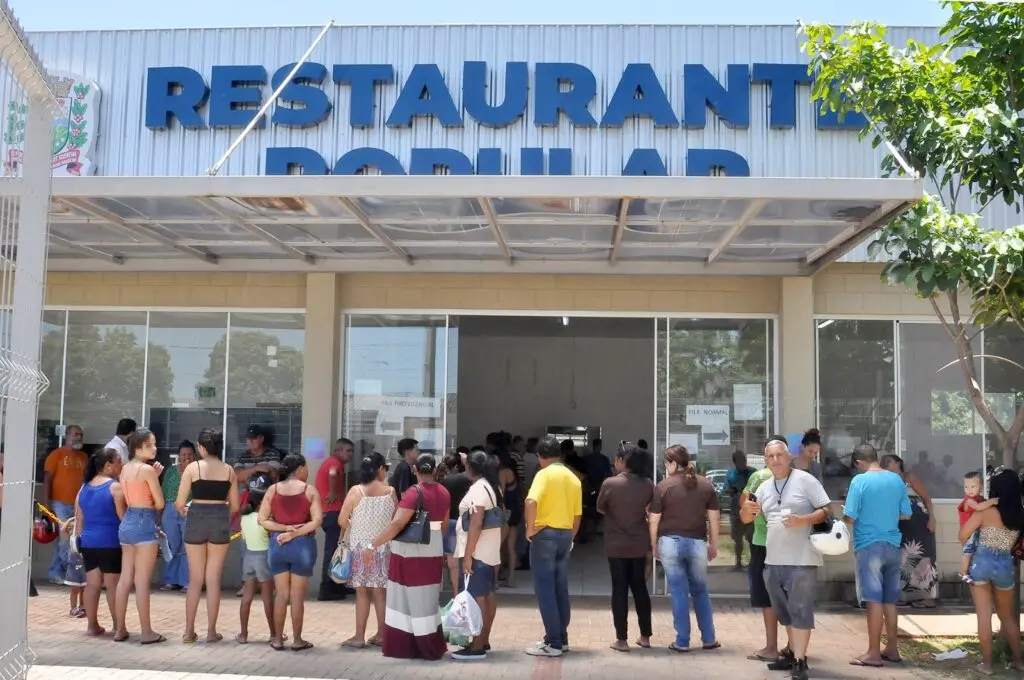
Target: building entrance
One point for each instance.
(448, 381)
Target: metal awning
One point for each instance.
(631, 225)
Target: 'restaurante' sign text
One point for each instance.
(543, 95)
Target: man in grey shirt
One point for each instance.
(793, 501)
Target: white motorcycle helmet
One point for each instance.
(835, 541)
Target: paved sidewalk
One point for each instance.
(60, 643)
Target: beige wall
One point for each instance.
(196, 289)
(697, 294)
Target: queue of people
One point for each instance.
(459, 522)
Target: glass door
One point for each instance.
(396, 382)
(715, 389)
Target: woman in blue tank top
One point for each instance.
(98, 511)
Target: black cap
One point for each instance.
(426, 463)
(253, 432)
(259, 483)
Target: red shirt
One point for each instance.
(966, 512)
(323, 483)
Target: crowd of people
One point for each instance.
(482, 515)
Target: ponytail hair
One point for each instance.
(681, 457)
(370, 467)
(136, 440)
(213, 441)
(812, 436)
(97, 462)
(291, 463)
(483, 466)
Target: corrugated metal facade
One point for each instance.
(118, 60)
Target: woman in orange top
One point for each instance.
(139, 533)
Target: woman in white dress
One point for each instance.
(367, 511)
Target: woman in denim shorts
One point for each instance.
(139, 533)
(291, 511)
(991, 573)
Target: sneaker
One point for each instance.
(799, 671)
(785, 662)
(544, 650)
(467, 654)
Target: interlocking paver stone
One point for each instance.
(64, 650)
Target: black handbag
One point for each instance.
(494, 518)
(418, 529)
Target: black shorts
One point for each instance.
(107, 560)
(208, 523)
(759, 598)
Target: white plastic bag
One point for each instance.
(464, 618)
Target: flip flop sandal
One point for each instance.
(758, 657)
(676, 648)
(189, 639)
(642, 645)
(121, 639)
(303, 647)
(892, 659)
(352, 644)
(241, 640)
(155, 641)
(215, 639)
(865, 664)
(276, 648)
(714, 645)
(616, 647)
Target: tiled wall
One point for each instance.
(214, 289)
(858, 289)
(684, 294)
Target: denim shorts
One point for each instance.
(991, 566)
(484, 580)
(792, 590)
(971, 546)
(878, 573)
(297, 556)
(138, 527)
(449, 538)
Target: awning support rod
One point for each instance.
(830, 252)
(86, 250)
(374, 230)
(270, 102)
(492, 220)
(101, 213)
(256, 231)
(748, 216)
(620, 226)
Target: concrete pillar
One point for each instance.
(796, 354)
(321, 368)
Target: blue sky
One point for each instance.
(39, 15)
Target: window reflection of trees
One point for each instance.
(98, 365)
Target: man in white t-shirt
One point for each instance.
(479, 549)
(119, 443)
(792, 501)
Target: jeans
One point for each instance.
(59, 564)
(686, 566)
(297, 556)
(138, 527)
(549, 559)
(175, 571)
(629, 574)
(332, 535)
(878, 573)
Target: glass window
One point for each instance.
(718, 382)
(1003, 381)
(104, 371)
(940, 439)
(856, 394)
(264, 387)
(51, 362)
(185, 375)
(394, 381)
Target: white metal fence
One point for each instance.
(28, 122)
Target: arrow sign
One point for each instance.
(388, 424)
(714, 436)
(390, 427)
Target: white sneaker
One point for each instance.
(544, 650)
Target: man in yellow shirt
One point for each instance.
(554, 509)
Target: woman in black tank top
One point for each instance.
(208, 496)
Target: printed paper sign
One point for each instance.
(748, 401)
(688, 439)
